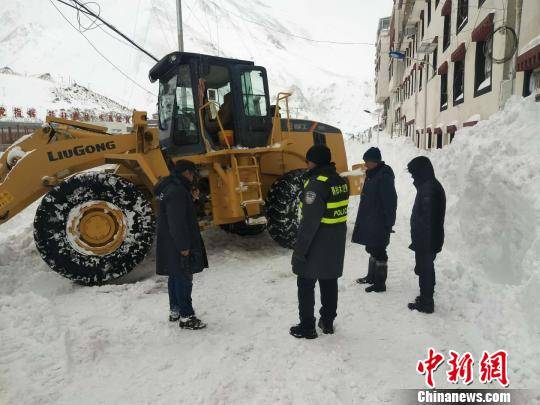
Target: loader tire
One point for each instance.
(282, 204)
(94, 227)
(243, 229)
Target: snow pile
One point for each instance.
(113, 344)
(44, 93)
(489, 270)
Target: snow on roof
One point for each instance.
(530, 45)
(475, 117)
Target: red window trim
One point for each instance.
(484, 29)
(446, 8)
(459, 53)
(443, 69)
(529, 60)
(470, 123)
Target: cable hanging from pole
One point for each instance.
(84, 9)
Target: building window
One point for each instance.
(435, 52)
(422, 25)
(529, 84)
(480, 2)
(446, 32)
(459, 81)
(428, 2)
(482, 69)
(462, 14)
(444, 91)
(420, 82)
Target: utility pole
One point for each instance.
(180, 27)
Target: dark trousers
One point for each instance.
(306, 300)
(425, 269)
(180, 287)
(378, 252)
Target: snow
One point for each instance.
(329, 83)
(473, 118)
(48, 94)
(530, 45)
(14, 155)
(486, 83)
(63, 343)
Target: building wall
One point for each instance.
(408, 103)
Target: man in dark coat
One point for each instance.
(180, 249)
(427, 229)
(320, 247)
(375, 219)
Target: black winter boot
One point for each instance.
(369, 278)
(192, 323)
(300, 332)
(379, 277)
(327, 327)
(426, 306)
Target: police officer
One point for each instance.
(320, 246)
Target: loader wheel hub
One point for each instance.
(97, 227)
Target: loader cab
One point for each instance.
(205, 99)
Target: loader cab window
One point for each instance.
(215, 87)
(185, 131)
(253, 94)
(166, 102)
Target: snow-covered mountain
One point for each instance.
(37, 96)
(331, 83)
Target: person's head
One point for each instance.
(318, 155)
(186, 169)
(421, 169)
(372, 158)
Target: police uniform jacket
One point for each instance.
(320, 247)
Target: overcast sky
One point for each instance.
(339, 20)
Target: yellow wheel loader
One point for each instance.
(96, 219)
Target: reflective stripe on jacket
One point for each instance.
(338, 201)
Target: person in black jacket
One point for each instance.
(320, 247)
(180, 249)
(375, 219)
(427, 229)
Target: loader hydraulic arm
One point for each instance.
(61, 148)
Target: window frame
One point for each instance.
(455, 93)
(444, 83)
(447, 31)
(461, 22)
(480, 52)
(435, 60)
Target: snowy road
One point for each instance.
(66, 344)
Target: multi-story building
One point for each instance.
(455, 62)
(382, 90)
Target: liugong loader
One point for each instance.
(96, 223)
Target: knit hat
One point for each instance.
(182, 165)
(319, 154)
(373, 155)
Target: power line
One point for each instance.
(99, 52)
(112, 27)
(288, 33)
